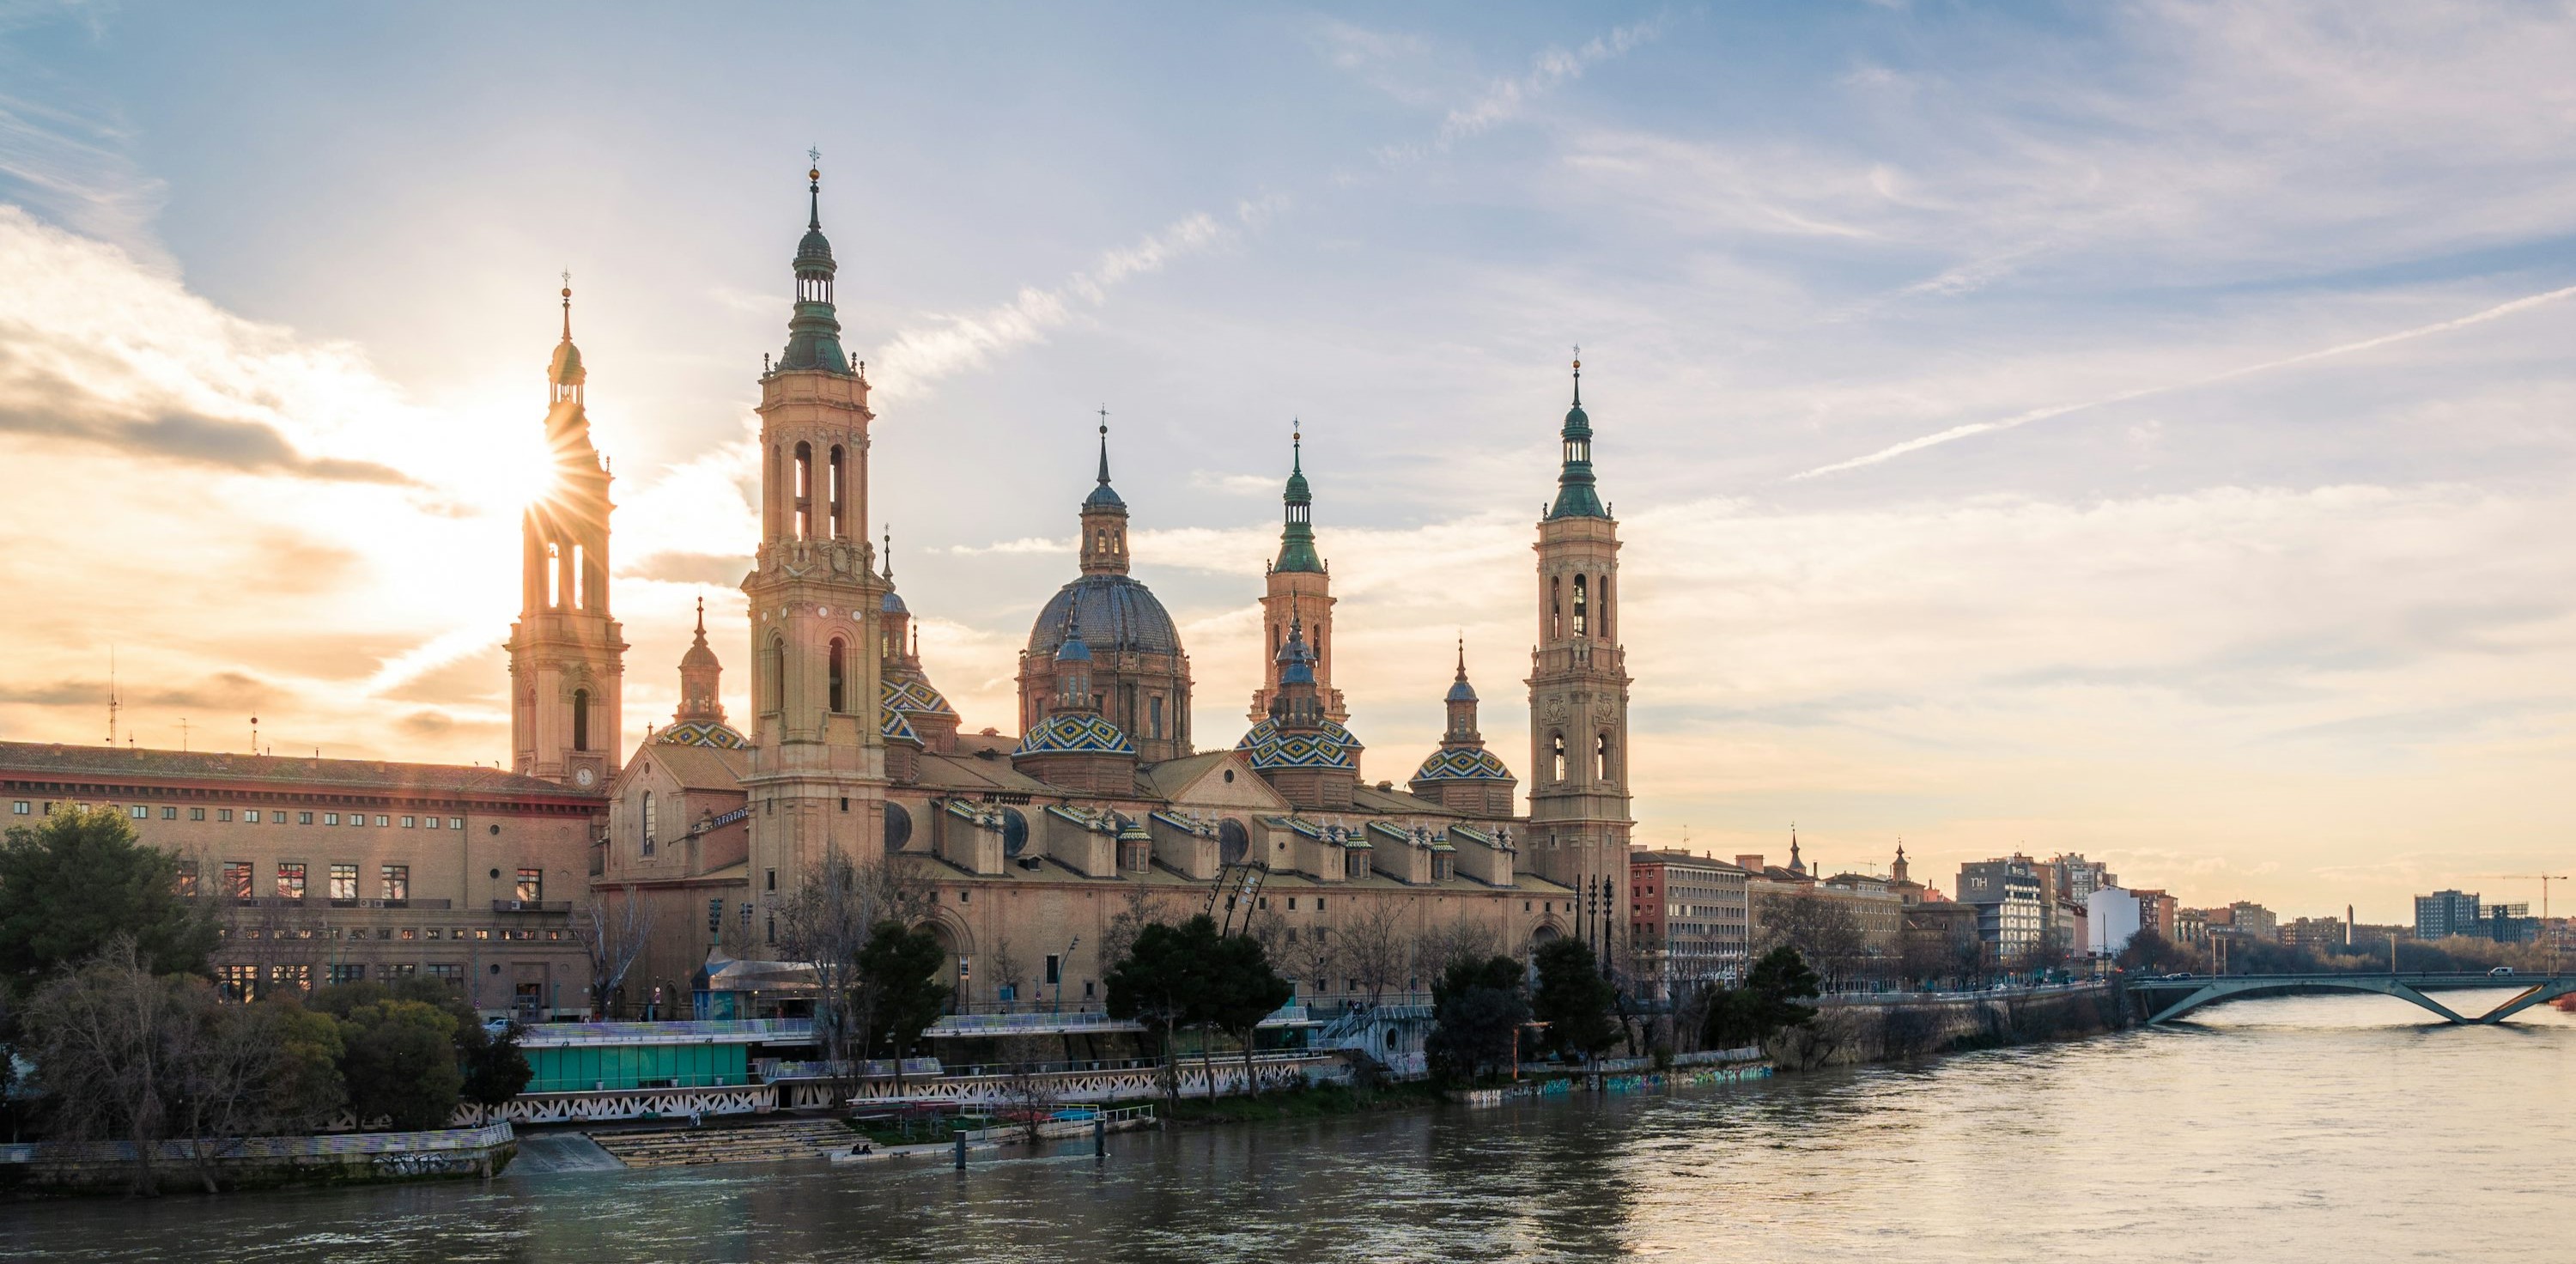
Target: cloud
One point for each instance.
(1973, 429)
(1506, 99)
(240, 445)
(1026, 545)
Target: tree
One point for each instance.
(1822, 931)
(247, 1070)
(898, 974)
(1238, 990)
(1156, 983)
(1027, 1089)
(1145, 906)
(496, 1070)
(1573, 999)
(1302, 952)
(72, 885)
(828, 923)
(1375, 949)
(100, 1037)
(1009, 968)
(1477, 1010)
(614, 935)
(2150, 951)
(1459, 941)
(401, 1065)
(1766, 1004)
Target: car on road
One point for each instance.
(2499, 972)
(2179, 974)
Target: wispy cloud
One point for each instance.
(1508, 98)
(1973, 429)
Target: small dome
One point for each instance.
(1115, 611)
(1331, 746)
(1076, 732)
(1576, 420)
(714, 733)
(893, 603)
(912, 694)
(699, 656)
(1073, 651)
(897, 727)
(815, 249)
(1103, 497)
(1462, 763)
(565, 369)
(1461, 691)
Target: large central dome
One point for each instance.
(1116, 615)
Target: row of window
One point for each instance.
(405, 934)
(393, 882)
(254, 816)
(244, 983)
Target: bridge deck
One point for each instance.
(2170, 999)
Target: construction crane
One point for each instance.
(2543, 878)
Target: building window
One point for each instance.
(328, 818)
(185, 883)
(581, 719)
(196, 814)
(382, 822)
(531, 887)
(447, 973)
(394, 881)
(1557, 756)
(1154, 711)
(409, 822)
(1055, 970)
(19, 808)
(348, 972)
(172, 814)
(237, 983)
(357, 818)
(430, 822)
(1555, 613)
(138, 812)
(344, 882)
(1582, 607)
(832, 669)
(304, 818)
(1601, 758)
(290, 880)
(237, 879)
(292, 978)
(648, 822)
(456, 822)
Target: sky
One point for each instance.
(2135, 429)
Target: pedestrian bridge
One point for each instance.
(2165, 1000)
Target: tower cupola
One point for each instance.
(814, 332)
(1575, 497)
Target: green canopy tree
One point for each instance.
(1241, 989)
(400, 1064)
(80, 879)
(1765, 1005)
(1476, 1008)
(1573, 999)
(899, 975)
(1157, 983)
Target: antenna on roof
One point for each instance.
(115, 703)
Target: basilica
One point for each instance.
(1106, 804)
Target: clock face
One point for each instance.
(584, 776)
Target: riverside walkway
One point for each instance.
(2166, 1000)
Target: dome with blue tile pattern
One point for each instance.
(1077, 732)
(714, 733)
(898, 728)
(1116, 614)
(1265, 747)
(1462, 763)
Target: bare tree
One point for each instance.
(827, 924)
(1375, 947)
(1302, 953)
(1010, 970)
(1460, 941)
(101, 1038)
(1027, 1090)
(614, 934)
(1824, 932)
(1145, 906)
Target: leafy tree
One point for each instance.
(1239, 990)
(496, 1070)
(81, 879)
(491, 1068)
(100, 1038)
(1476, 1008)
(401, 1065)
(898, 974)
(1156, 983)
(1573, 999)
(1767, 1003)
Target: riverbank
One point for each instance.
(1855, 1033)
(244, 1163)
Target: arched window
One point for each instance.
(840, 506)
(774, 673)
(1232, 841)
(1558, 743)
(1015, 832)
(648, 822)
(1601, 759)
(1609, 609)
(1582, 607)
(833, 673)
(581, 719)
(554, 574)
(1555, 615)
(804, 491)
(898, 826)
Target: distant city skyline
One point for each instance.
(2142, 432)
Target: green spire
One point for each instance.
(1297, 532)
(814, 333)
(1574, 495)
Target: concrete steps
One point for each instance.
(752, 1143)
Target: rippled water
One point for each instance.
(2323, 1127)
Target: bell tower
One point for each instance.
(817, 776)
(567, 654)
(1298, 584)
(1579, 823)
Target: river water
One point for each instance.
(2335, 1128)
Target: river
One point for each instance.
(2335, 1128)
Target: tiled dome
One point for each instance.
(1266, 748)
(1116, 614)
(1462, 763)
(1078, 732)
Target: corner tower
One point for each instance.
(567, 654)
(1579, 823)
(1298, 583)
(817, 779)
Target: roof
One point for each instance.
(1651, 856)
(1075, 731)
(715, 733)
(703, 767)
(1327, 746)
(1462, 763)
(1118, 614)
(131, 763)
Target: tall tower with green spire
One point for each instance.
(1299, 588)
(1579, 823)
(818, 772)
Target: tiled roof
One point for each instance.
(130, 764)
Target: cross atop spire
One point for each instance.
(702, 618)
(1104, 445)
(567, 304)
(1575, 497)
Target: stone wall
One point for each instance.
(1853, 1032)
(260, 1162)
